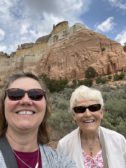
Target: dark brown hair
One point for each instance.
(43, 137)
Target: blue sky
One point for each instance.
(23, 21)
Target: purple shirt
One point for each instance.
(28, 159)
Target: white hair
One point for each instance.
(85, 93)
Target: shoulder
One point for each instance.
(70, 142)
(69, 137)
(57, 159)
(48, 150)
(111, 134)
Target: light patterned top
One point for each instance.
(93, 162)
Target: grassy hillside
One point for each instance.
(115, 116)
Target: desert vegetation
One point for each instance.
(114, 95)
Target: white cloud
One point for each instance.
(25, 21)
(121, 37)
(107, 25)
(5, 6)
(24, 28)
(59, 7)
(3, 48)
(118, 4)
(2, 34)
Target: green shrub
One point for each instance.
(119, 76)
(101, 80)
(55, 85)
(90, 72)
(109, 77)
(87, 82)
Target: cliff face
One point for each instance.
(66, 53)
(83, 49)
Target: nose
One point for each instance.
(26, 100)
(87, 112)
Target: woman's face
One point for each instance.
(88, 121)
(24, 114)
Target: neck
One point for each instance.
(90, 143)
(89, 136)
(22, 143)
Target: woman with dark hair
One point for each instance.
(24, 110)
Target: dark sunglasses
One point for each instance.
(17, 94)
(92, 108)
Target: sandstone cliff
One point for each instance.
(66, 53)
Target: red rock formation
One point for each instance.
(70, 58)
(75, 49)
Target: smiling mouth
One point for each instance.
(27, 112)
(89, 121)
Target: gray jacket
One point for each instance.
(50, 159)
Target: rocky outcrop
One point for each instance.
(25, 46)
(66, 53)
(71, 58)
(2, 54)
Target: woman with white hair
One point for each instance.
(90, 145)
